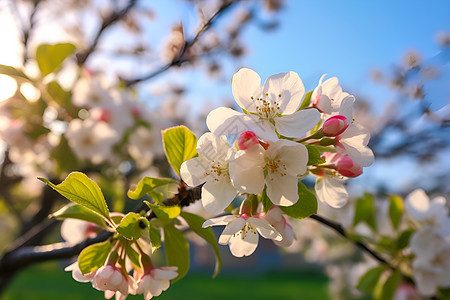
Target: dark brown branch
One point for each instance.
(107, 22)
(339, 229)
(180, 58)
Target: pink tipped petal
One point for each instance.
(291, 89)
(297, 124)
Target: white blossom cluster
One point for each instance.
(264, 150)
(430, 243)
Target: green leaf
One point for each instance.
(132, 226)
(155, 236)
(179, 145)
(50, 57)
(267, 204)
(76, 211)
(314, 156)
(132, 255)
(13, 72)
(395, 210)
(365, 211)
(403, 239)
(306, 100)
(80, 189)
(305, 206)
(164, 213)
(148, 184)
(59, 95)
(93, 257)
(369, 280)
(390, 286)
(177, 250)
(34, 131)
(156, 196)
(195, 222)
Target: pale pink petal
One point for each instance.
(217, 195)
(161, 274)
(194, 171)
(417, 203)
(346, 108)
(223, 220)
(355, 138)
(233, 227)
(265, 229)
(246, 87)
(293, 156)
(426, 243)
(297, 124)
(287, 90)
(332, 191)
(246, 170)
(243, 244)
(282, 190)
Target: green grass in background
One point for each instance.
(48, 282)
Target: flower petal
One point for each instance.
(243, 245)
(217, 195)
(355, 139)
(287, 90)
(233, 227)
(223, 220)
(282, 190)
(194, 171)
(417, 203)
(297, 124)
(265, 229)
(246, 87)
(246, 170)
(331, 191)
(293, 156)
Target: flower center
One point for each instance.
(266, 108)
(243, 232)
(275, 166)
(219, 169)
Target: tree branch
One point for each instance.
(187, 45)
(108, 21)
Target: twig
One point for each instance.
(108, 21)
(187, 45)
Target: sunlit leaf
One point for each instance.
(314, 156)
(80, 189)
(179, 145)
(76, 211)
(132, 226)
(395, 210)
(177, 250)
(365, 211)
(148, 184)
(164, 213)
(369, 280)
(93, 257)
(50, 57)
(195, 222)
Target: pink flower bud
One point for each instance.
(247, 140)
(335, 125)
(136, 112)
(103, 114)
(347, 167)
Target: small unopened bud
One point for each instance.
(247, 140)
(136, 112)
(104, 114)
(335, 125)
(347, 167)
